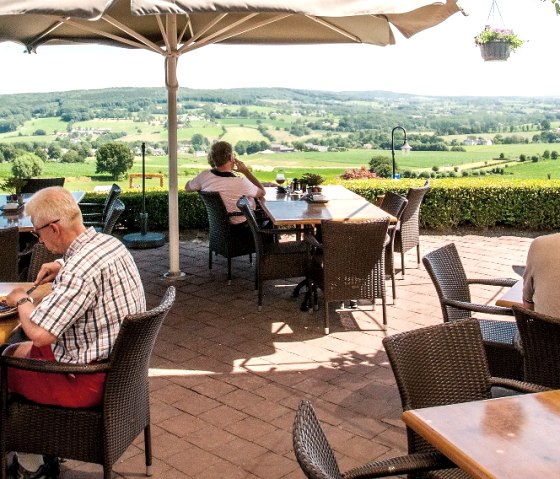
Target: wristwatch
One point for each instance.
(24, 300)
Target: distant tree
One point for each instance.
(7, 152)
(114, 158)
(54, 151)
(435, 168)
(27, 165)
(554, 154)
(72, 156)
(199, 142)
(382, 165)
(546, 154)
(41, 153)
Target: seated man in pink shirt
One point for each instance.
(221, 178)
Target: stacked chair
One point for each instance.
(96, 214)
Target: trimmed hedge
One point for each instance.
(476, 202)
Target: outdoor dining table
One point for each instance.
(510, 437)
(512, 296)
(342, 205)
(8, 322)
(18, 217)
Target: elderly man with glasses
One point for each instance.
(95, 285)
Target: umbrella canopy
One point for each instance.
(172, 28)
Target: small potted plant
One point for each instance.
(312, 180)
(497, 43)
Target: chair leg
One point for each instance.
(384, 309)
(402, 262)
(260, 295)
(209, 258)
(229, 270)
(418, 254)
(327, 329)
(148, 449)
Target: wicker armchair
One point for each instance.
(350, 263)
(448, 275)
(408, 232)
(225, 239)
(395, 205)
(444, 364)
(95, 214)
(113, 215)
(9, 254)
(317, 460)
(32, 185)
(39, 255)
(274, 259)
(539, 339)
(101, 434)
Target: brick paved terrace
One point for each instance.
(226, 379)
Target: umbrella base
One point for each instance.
(143, 240)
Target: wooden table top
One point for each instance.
(343, 205)
(19, 218)
(512, 296)
(511, 437)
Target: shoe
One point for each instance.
(50, 469)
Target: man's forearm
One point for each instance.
(252, 178)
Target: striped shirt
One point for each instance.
(96, 287)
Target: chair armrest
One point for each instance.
(478, 308)
(52, 367)
(395, 466)
(235, 213)
(493, 282)
(516, 385)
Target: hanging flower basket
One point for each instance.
(496, 43)
(495, 51)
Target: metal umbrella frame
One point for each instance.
(172, 29)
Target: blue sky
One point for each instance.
(439, 61)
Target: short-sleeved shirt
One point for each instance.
(230, 187)
(541, 280)
(95, 289)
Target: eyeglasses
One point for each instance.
(35, 232)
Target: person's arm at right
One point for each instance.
(242, 168)
(190, 187)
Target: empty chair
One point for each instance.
(453, 288)
(95, 214)
(225, 239)
(317, 460)
(9, 254)
(32, 185)
(274, 260)
(350, 263)
(408, 231)
(100, 434)
(539, 339)
(395, 205)
(443, 364)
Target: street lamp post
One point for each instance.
(405, 146)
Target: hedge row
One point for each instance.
(479, 203)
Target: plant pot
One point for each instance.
(495, 51)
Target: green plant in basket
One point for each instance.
(498, 35)
(311, 179)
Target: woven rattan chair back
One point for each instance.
(311, 447)
(101, 434)
(394, 204)
(438, 365)
(275, 260)
(408, 234)
(32, 185)
(96, 214)
(224, 239)
(39, 256)
(353, 263)
(540, 343)
(115, 211)
(450, 280)
(9, 251)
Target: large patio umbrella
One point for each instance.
(173, 28)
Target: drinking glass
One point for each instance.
(280, 178)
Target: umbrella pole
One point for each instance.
(172, 87)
